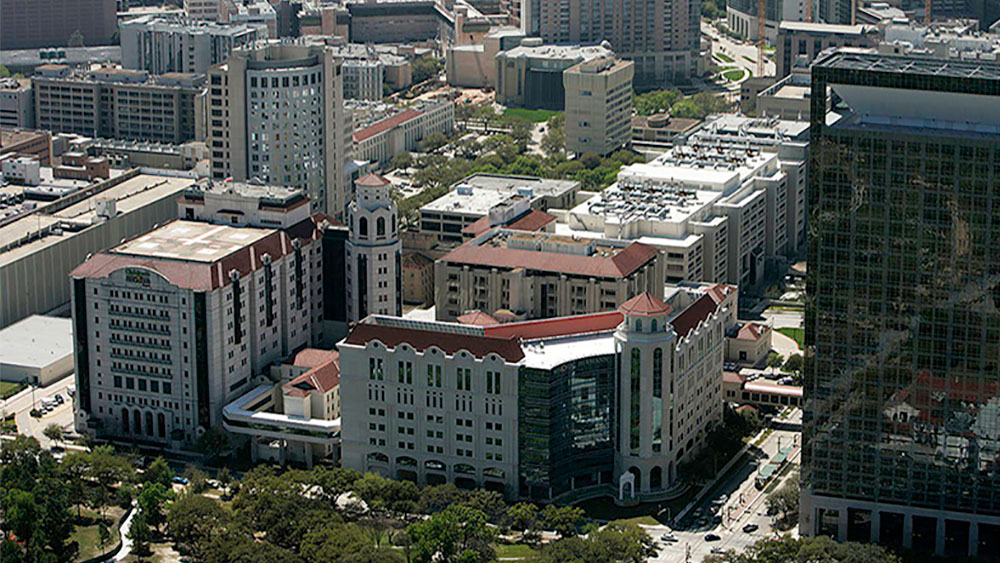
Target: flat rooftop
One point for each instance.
(811, 27)
(36, 341)
(557, 351)
(763, 130)
(192, 241)
(559, 52)
(487, 190)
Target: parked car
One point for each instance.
(718, 550)
(59, 399)
(712, 537)
(668, 538)
(750, 528)
(180, 480)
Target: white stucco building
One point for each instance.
(373, 251)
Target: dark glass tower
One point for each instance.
(902, 417)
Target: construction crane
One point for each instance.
(761, 34)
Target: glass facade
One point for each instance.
(635, 401)
(903, 386)
(657, 399)
(565, 422)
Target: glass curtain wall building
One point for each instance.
(902, 414)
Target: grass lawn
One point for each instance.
(516, 551)
(86, 535)
(604, 508)
(796, 334)
(9, 388)
(733, 75)
(533, 115)
(647, 520)
(725, 57)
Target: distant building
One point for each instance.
(530, 75)
(598, 105)
(247, 102)
(25, 61)
(363, 79)
(473, 65)
(45, 234)
(797, 38)
(173, 325)
(206, 10)
(661, 128)
(741, 17)
(392, 62)
(30, 24)
(500, 199)
(37, 349)
(647, 389)
(374, 252)
(167, 44)
(748, 343)
(401, 130)
(256, 13)
(128, 154)
(36, 144)
(17, 104)
(540, 275)
(117, 103)
(418, 278)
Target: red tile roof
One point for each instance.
(751, 331)
(313, 357)
(533, 220)
(322, 378)
(561, 326)
(694, 314)
(206, 276)
(732, 377)
(476, 318)
(622, 264)
(386, 124)
(720, 291)
(371, 180)
(479, 346)
(645, 305)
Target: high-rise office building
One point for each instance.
(660, 36)
(598, 105)
(275, 112)
(902, 388)
(169, 44)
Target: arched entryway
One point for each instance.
(656, 478)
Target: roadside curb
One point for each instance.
(725, 469)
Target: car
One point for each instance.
(718, 550)
(750, 528)
(180, 480)
(668, 538)
(712, 537)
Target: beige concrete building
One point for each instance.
(402, 130)
(534, 275)
(598, 105)
(275, 112)
(173, 325)
(205, 10)
(798, 38)
(117, 103)
(17, 103)
(41, 246)
(418, 278)
(38, 349)
(748, 343)
(37, 144)
(169, 44)
(529, 75)
(473, 65)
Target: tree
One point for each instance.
(490, 503)
(151, 501)
(4, 71)
(138, 532)
(401, 160)
(806, 550)
(342, 543)
(457, 535)
(687, 109)
(774, 360)
(655, 101)
(626, 543)
(158, 472)
(213, 442)
(193, 520)
(433, 141)
(794, 364)
(520, 131)
(103, 534)
(197, 478)
(53, 432)
(564, 520)
(785, 502)
(425, 68)
(524, 516)
(710, 103)
(435, 498)
(387, 495)
(225, 477)
(554, 140)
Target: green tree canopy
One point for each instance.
(457, 535)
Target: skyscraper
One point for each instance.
(662, 37)
(275, 112)
(902, 416)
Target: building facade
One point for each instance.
(173, 325)
(30, 24)
(275, 113)
(363, 79)
(374, 252)
(902, 390)
(598, 106)
(611, 403)
(796, 39)
(662, 38)
(402, 131)
(533, 275)
(17, 103)
(166, 44)
(530, 75)
(117, 103)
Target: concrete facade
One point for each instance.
(29, 24)
(598, 106)
(38, 349)
(166, 44)
(374, 252)
(378, 141)
(17, 103)
(810, 39)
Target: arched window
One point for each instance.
(125, 421)
(652, 325)
(638, 324)
(394, 224)
(363, 227)
(638, 477)
(149, 424)
(655, 478)
(161, 423)
(380, 227)
(137, 420)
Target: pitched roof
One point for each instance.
(694, 314)
(751, 331)
(561, 326)
(476, 318)
(645, 305)
(386, 124)
(732, 377)
(479, 346)
(323, 377)
(622, 264)
(720, 291)
(372, 180)
(532, 220)
(313, 357)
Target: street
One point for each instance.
(21, 406)
(746, 504)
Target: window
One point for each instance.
(363, 227)
(405, 372)
(375, 368)
(433, 376)
(493, 382)
(464, 379)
